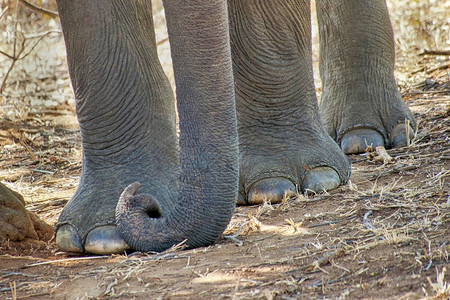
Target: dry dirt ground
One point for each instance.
(384, 235)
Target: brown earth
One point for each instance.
(384, 235)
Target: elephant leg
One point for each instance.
(360, 103)
(126, 112)
(283, 144)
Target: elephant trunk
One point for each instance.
(199, 38)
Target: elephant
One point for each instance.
(251, 128)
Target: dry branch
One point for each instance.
(40, 9)
(50, 262)
(18, 56)
(435, 52)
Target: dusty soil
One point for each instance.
(384, 235)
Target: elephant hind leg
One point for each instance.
(360, 102)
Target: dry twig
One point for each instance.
(40, 9)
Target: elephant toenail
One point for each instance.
(321, 179)
(272, 190)
(105, 240)
(67, 239)
(357, 140)
(401, 135)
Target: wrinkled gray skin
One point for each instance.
(188, 188)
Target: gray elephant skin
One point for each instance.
(251, 129)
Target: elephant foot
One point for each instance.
(88, 224)
(303, 164)
(94, 231)
(356, 127)
(358, 140)
(274, 190)
(364, 110)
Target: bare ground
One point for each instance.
(384, 235)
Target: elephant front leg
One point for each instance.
(360, 103)
(283, 144)
(126, 112)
